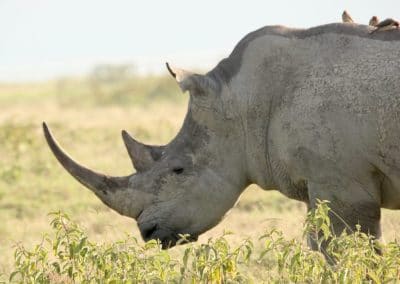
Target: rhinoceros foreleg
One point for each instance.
(351, 203)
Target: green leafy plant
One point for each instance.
(354, 257)
(70, 257)
(215, 261)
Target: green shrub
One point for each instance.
(70, 257)
(354, 257)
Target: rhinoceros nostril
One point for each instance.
(178, 170)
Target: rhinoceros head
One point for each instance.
(186, 186)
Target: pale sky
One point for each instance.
(44, 39)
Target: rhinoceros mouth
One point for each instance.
(168, 238)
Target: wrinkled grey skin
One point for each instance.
(312, 113)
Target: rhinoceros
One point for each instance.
(313, 113)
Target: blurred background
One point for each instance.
(45, 39)
(91, 68)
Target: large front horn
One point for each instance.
(142, 156)
(113, 191)
(102, 185)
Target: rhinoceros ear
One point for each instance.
(194, 83)
(142, 156)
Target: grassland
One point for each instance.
(86, 116)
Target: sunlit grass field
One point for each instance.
(87, 118)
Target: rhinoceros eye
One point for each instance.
(178, 170)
